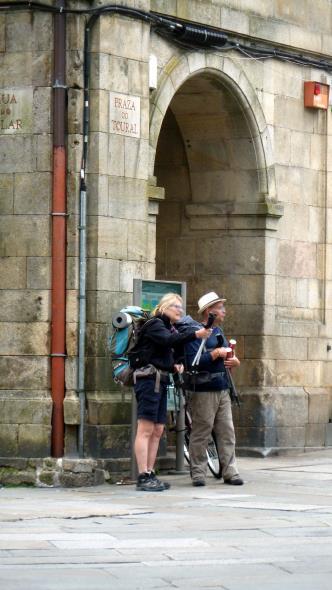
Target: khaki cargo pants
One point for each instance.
(211, 410)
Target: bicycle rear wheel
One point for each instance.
(212, 454)
(186, 447)
(187, 420)
(214, 463)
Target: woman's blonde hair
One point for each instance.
(166, 301)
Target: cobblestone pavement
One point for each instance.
(275, 532)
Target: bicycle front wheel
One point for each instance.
(214, 463)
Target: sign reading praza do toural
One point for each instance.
(125, 114)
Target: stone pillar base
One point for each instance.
(262, 452)
(51, 472)
(282, 420)
(69, 473)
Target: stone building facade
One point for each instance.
(221, 178)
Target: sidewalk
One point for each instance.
(275, 532)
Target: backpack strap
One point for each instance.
(143, 328)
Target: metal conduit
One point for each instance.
(58, 329)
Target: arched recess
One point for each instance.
(224, 75)
(211, 153)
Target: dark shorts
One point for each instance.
(150, 404)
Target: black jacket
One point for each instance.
(157, 343)
(213, 367)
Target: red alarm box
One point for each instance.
(316, 95)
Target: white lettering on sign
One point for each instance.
(125, 114)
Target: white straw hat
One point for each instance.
(207, 300)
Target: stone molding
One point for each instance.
(155, 195)
(236, 215)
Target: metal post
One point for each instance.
(133, 468)
(82, 227)
(82, 318)
(180, 427)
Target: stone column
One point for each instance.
(290, 407)
(118, 224)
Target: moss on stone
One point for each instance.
(10, 476)
(49, 463)
(47, 477)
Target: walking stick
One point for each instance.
(208, 324)
(232, 389)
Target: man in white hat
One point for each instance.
(210, 401)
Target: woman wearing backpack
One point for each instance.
(153, 361)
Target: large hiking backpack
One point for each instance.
(127, 327)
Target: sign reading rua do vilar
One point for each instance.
(15, 110)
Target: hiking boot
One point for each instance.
(198, 483)
(155, 478)
(235, 480)
(146, 484)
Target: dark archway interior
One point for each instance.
(206, 162)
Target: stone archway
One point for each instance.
(226, 73)
(211, 153)
(211, 159)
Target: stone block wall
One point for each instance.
(277, 219)
(25, 193)
(121, 223)
(278, 288)
(298, 350)
(121, 231)
(302, 24)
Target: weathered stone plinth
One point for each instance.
(51, 472)
(71, 473)
(282, 420)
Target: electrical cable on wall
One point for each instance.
(184, 33)
(189, 36)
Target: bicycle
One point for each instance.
(213, 459)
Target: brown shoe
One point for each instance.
(198, 483)
(235, 480)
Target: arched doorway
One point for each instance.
(206, 159)
(211, 152)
